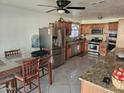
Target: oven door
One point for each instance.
(112, 34)
(93, 47)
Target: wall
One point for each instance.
(18, 25)
(120, 34)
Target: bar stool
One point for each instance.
(30, 72)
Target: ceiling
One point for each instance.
(107, 9)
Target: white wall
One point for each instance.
(18, 25)
(120, 34)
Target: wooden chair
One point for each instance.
(43, 65)
(30, 72)
(5, 81)
(12, 53)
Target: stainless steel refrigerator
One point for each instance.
(55, 41)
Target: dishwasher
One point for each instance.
(74, 49)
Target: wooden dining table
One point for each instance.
(11, 65)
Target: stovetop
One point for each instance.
(95, 41)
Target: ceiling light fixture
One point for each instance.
(61, 11)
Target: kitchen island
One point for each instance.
(92, 81)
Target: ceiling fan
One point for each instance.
(98, 2)
(62, 7)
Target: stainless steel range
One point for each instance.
(93, 46)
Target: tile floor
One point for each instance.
(65, 77)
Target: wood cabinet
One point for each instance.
(68, 27)
(63, 25)
(59, 25)
(98, 26)
(88, 87)
(103, 49)
(85, 28)
(68, 51)
(81, 47)
(113, 26)
(85, 44)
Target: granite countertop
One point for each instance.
(99, 71)
(74, 42)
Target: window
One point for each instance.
(75, 30)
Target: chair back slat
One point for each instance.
(12, 53)
(30, 69)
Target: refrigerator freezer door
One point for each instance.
(57, 60)
(45, 37)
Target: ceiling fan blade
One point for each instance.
(50, 10)
(47, 6)
(66, 11)
(75, 7)
(102, 1)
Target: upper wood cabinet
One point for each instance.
(85, 28)
(63, 25)
(68, 27)
(59, 25)
(113, 26)
(97, 26)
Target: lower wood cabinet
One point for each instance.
(103, 49)
(88, 87)
(82, 46)
(68, 51)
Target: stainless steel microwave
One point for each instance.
(97, 31)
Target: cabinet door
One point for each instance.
(97, 26)
(68, 52)
(85, 46)
(59, 25)
(113, 26)
(82, 29)
(103, 49)
(87, 29)
(68, 27)
(81, 48)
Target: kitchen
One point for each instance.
(92, 37)
(95, 39)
